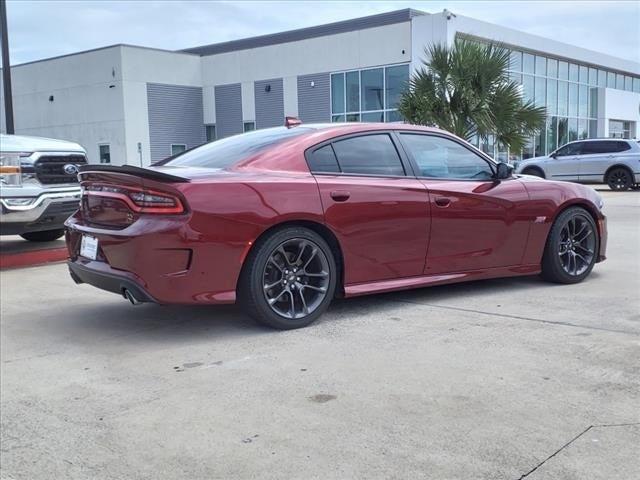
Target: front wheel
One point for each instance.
(619, 179)
(289, 279)
(572, 247)
(45, 236)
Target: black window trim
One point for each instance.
(493, 166)
(409, 171)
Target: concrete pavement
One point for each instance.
(503, 379)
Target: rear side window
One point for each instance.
(369, 155)
(323, 160)
(604, 146)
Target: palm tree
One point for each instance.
(466, 90)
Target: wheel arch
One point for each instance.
(325, 232)
(586, 205)
(605, 179)
(534, 167)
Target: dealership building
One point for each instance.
(137, 105)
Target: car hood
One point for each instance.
(22, 143)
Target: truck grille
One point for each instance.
(50, 168)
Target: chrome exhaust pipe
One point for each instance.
(129, 296)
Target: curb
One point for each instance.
(33, 258)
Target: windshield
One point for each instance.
(229, 151)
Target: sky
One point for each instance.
(46, 28)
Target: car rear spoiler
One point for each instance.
(135, 171)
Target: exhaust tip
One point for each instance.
(129, 296)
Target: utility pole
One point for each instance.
(6, 68)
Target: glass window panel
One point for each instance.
(352, 117)
(620, 82)
(583, 131)
(628, 83)
(573, 72)
(593, 128)
(177, 148)
(393, 116)
(104, 153)
(584, 74)
(337, 118)
(372, 92)
(593, 102)
(368, 155)
(352, 81)
(563, 70)
(573, 100)
(563, 98)
(323, 160)
(593, 76)
(527, 88)
(583, 101)
(636, 85)
(515, 77)
(515, 61)
(563, 131)
(443, 158)
(611, 80)
(373, 117)
(528, 63)
(249, 126)
(552, 134)
(337, 93)
(552, 68)
(540, 91)
(540, 143)
(210, 133)
(396, 81)
(527, 150)
(573, 129)
(541, 65)
(602, 78)
(552, 97)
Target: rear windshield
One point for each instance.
(229, 151)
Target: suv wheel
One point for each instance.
(619, 179)
(289, 279)
(45, 236)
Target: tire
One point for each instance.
(635, 186)
(44, 236)
(536, 172)
(275, 274)
(619, 179)
(571, 252)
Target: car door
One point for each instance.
(379, 214)
(477, 221)
(598, 156)
(565, 163)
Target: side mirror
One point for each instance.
(553, 155)
(504, 170)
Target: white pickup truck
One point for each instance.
(38, 185)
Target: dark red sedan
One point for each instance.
(283, 220)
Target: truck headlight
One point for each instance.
(11, 169)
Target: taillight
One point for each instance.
(138, 200)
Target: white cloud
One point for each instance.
(41, 29)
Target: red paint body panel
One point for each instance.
(392, 232)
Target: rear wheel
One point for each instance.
(572, 247)
(289, 279)
(45, 236)
(619, 179)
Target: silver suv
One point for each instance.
(613, 161)
(39, 186)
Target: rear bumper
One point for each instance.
(102, 276)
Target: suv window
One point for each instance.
(323, 159)
(369, 155)
(570, 149)
(441, 157)
(604, 146)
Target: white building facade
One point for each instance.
(137, 105)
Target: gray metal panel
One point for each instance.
(269, 105)
(314, 101)
(379, 20)
(228, 109)
(175, 116)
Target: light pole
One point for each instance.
(6, 68)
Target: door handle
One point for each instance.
(443, 202)
(340, 195)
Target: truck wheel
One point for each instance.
(44, 236)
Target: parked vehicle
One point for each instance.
(613, 161)
(282, 220)
(40, 187)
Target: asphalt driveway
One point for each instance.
(503, 379)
